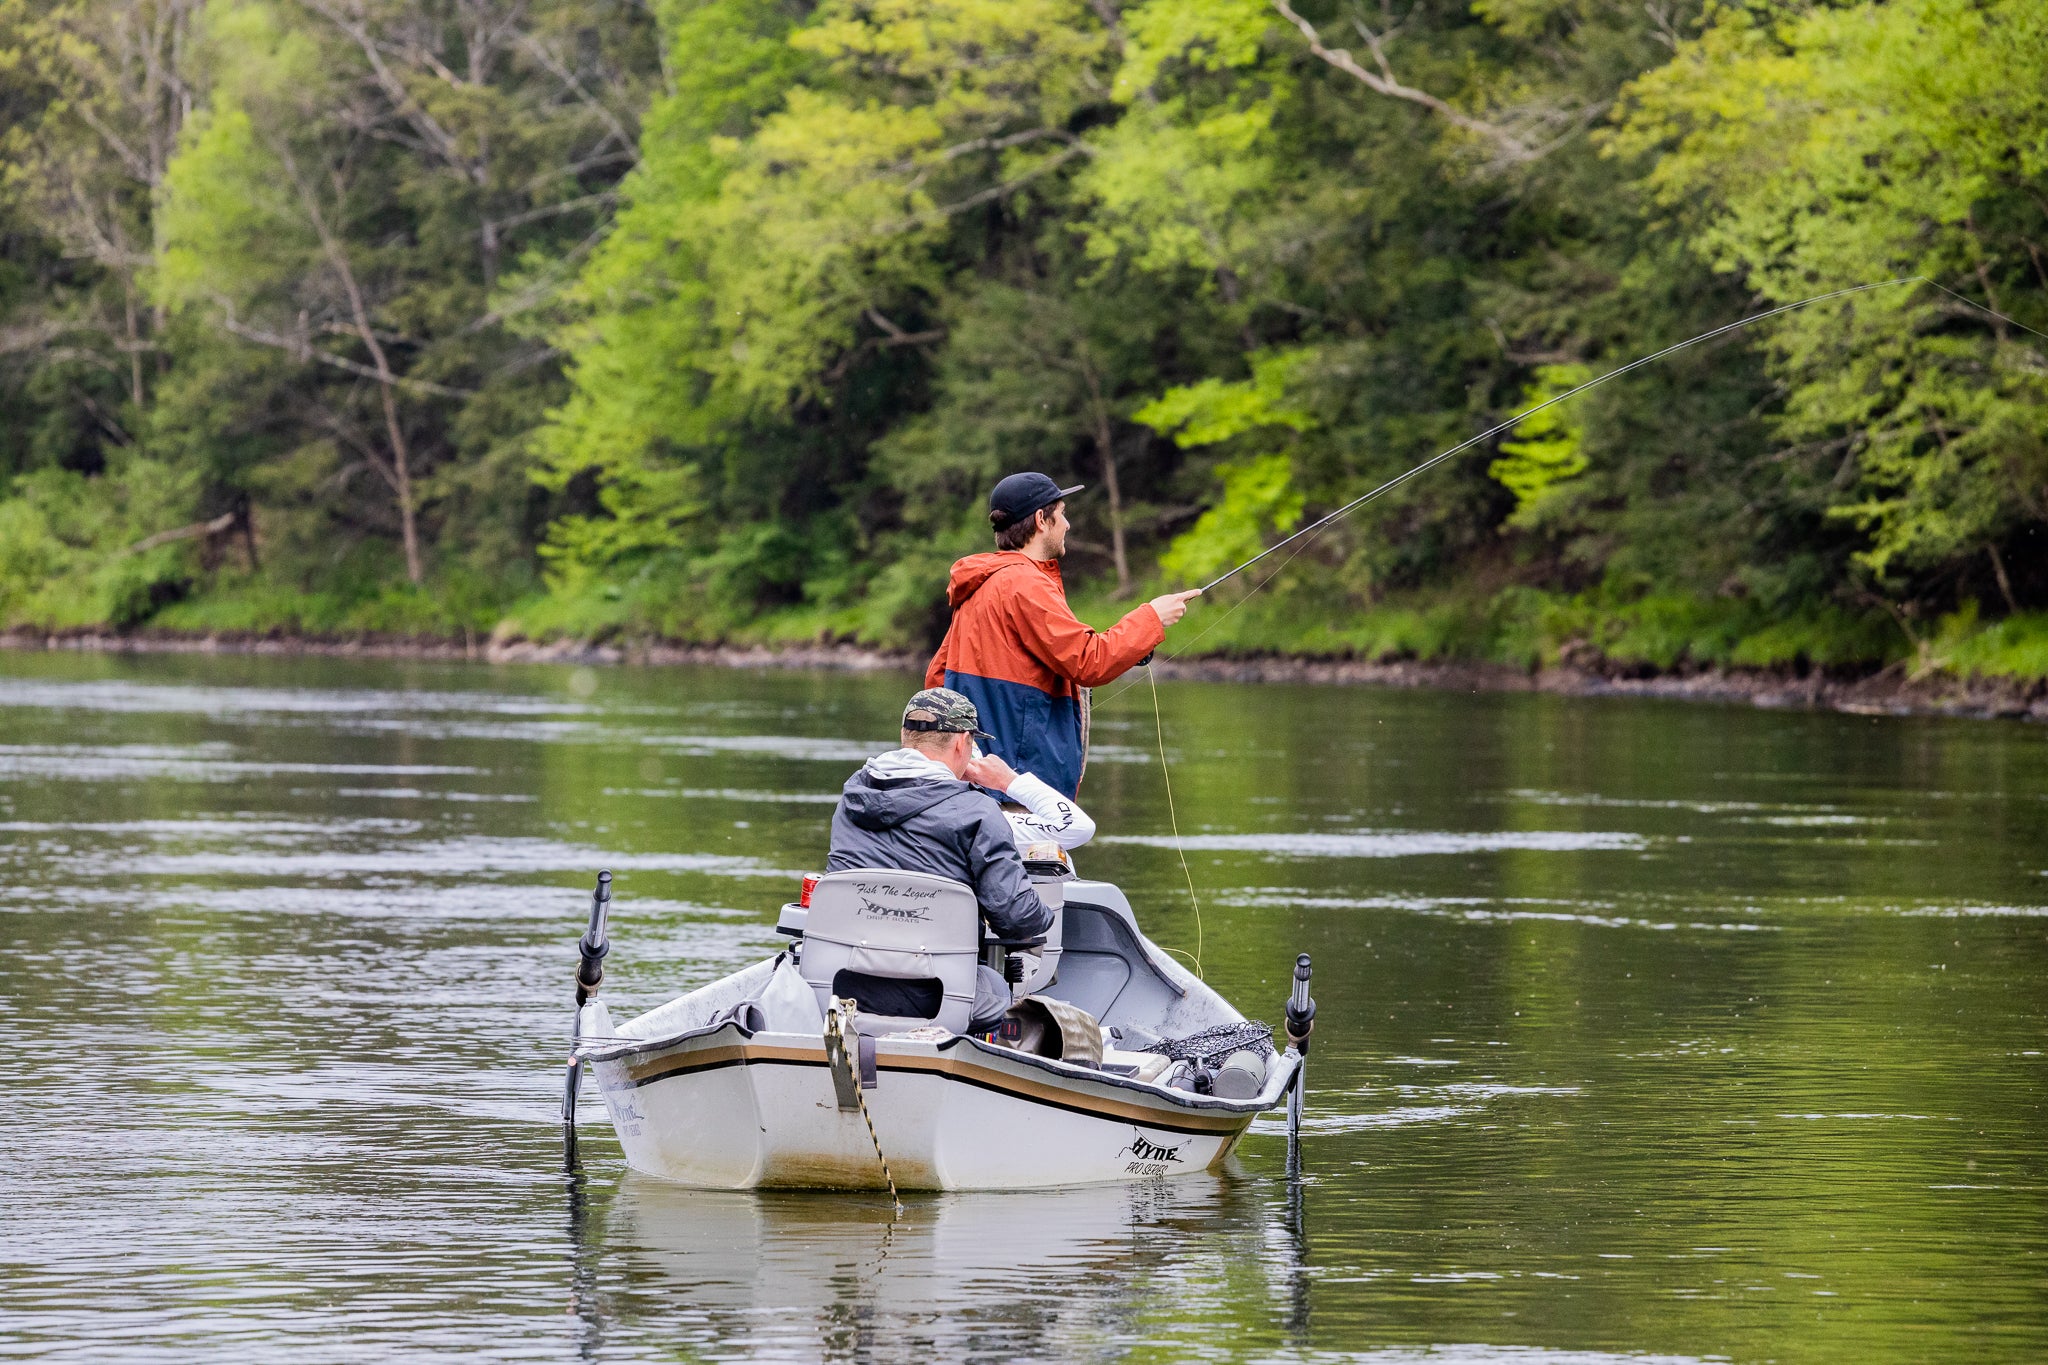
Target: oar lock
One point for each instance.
(589, 968)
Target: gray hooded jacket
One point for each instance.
(903, 811)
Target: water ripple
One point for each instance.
(1390, 843)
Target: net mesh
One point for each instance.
(1212, 1045)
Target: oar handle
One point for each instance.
(1301, 1007)
(592, 947)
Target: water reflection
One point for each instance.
(1050, 1276)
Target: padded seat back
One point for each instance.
(1041, 965)
(904, 944)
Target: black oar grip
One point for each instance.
(1301, 1007)
(593, 946)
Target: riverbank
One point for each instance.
(1888, 691)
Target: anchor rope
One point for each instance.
(835, 1032)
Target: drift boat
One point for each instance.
(1116, 1064)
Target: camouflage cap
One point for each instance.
(941, 708)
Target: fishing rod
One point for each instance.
(1520, 417)
(1465, 445)
(1438, 458)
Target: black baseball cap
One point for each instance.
(1018, 496)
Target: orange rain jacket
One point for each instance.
(1016, 651)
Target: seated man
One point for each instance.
(920, 809)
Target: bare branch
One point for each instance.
(1665, 28)
(294, 346)
(224, 522)
(987, 144)
(102, 416)
(1111, 20)
(387, 387)
(896, 336)
(354, 440)
(553, 210)
(940, 212)
(539, 52)
(414, 52)
(999, 144)
(892, 337)
(137, 166)
(57, 355)
(394, 88)
(33, 337)
(597, 157)
(344, 329)
(399, 139)
(540, 289)
(1384, 82)
(539, 355)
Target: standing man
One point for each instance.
(1016, 650)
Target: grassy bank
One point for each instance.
(1643, 635)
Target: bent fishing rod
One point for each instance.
(1522, 416)
(1465, 445)
(1493, 431)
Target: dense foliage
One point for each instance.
(715, 319)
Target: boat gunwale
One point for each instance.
(1063, 1071)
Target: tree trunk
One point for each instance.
(2004, 583)
(400, 463)
(1105, 448)
(245, 522)
(490, 252)
(134, 345)
(387, 381)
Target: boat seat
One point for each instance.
(906, 945)
(1050, 870)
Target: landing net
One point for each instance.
(1212, 1045)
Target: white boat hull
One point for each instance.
(723, 1108)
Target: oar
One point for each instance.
(1301, 1021)
(589, 974)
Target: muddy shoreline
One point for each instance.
(1889, 692)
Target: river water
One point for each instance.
(1647, 1030)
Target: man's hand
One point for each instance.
(986, 770)
(1174, 605)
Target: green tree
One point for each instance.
(1549, 446)
(1032, 375)
(376, 193)
(808, 192)
(100, 89)
(715, 317)
(1823, 149)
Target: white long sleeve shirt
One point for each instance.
(1047, 815)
